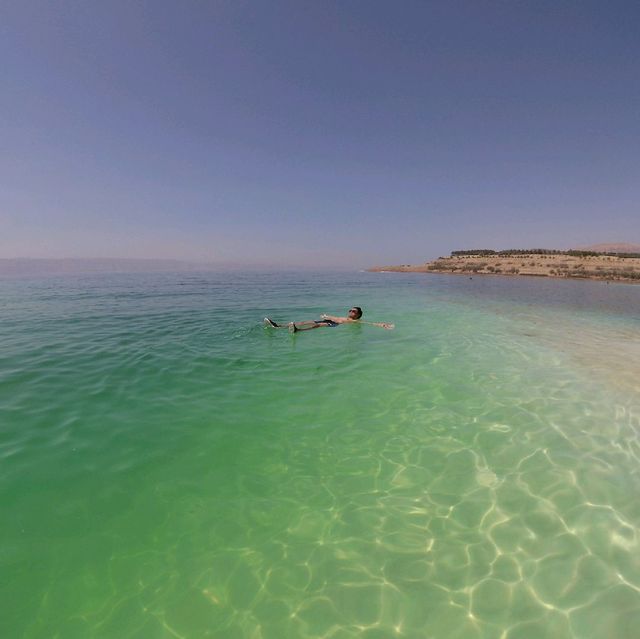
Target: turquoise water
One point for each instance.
(171, 468)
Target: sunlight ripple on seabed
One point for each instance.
(467, 475)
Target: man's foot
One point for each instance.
(293, 328)
(270, 322)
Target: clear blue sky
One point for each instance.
(345, 133)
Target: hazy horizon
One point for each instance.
(37, 266)
(297, 134)
(21, 266)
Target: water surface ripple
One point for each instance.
(171, 468)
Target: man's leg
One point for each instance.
(294, 327)
(307, 325)
(271, 324)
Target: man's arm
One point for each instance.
(345, 320)
(380, 324)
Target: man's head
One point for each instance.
(355, 312)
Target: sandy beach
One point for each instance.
(564, 265)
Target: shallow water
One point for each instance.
(171, 468)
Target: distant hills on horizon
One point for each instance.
(611, 247)
(28, 266)
(37, 266)
(25, 266)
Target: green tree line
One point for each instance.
(539, 251)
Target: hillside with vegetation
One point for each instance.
(576, 264)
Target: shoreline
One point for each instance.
(559, 266)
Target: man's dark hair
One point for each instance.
(357, 308)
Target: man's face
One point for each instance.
(353, 313)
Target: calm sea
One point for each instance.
(171, 468)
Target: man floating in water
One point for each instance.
(353, 316)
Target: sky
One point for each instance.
(299, 133)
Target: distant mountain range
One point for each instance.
(612, 247)
(39, 266)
